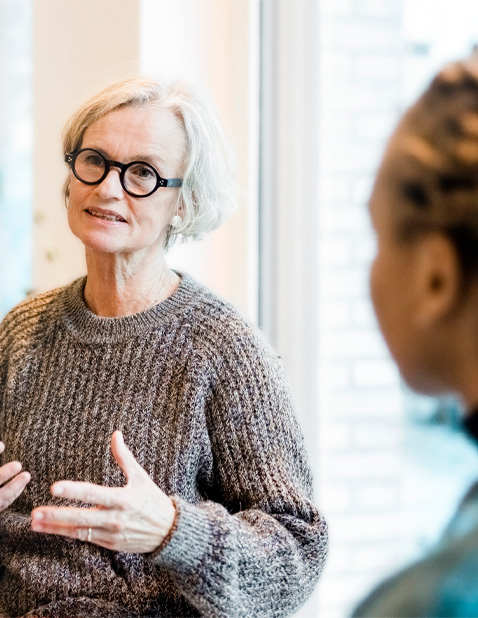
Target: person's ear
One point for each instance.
(438, 280)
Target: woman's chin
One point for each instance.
(430, 385)
(100, 239)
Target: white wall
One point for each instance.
(386, 485)
(78, 47)
(214, 44)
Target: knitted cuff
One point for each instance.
(171, 532)
(187, 542)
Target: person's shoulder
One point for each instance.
(213, 314)
(33, 305)
(205, 302)
(29, 313)
(444, 583)
(216, 322)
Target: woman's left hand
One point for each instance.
(134, 518)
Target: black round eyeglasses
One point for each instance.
(137, 178)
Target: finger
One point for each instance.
(9, 470)
(10, 492)
(125, 458)
(98, 536)
(88, 535)
(2, 447)
(69, 531)
(87, 492)
(49, 518)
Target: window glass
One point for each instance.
(15, 151)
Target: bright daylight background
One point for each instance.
(309, 91)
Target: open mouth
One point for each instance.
(106, 216)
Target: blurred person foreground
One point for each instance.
(424, 287)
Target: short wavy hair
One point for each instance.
(208, 192)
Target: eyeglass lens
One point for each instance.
(139, 178)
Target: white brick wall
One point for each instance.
(360, 404)
(385, 485)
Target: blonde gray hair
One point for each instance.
(207, 195)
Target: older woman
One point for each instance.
(208, 511)
(424, 284)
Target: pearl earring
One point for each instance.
(176, 222)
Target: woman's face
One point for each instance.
(391, 286)
(106, 218)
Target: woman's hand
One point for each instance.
(134, 518)
(10, 491)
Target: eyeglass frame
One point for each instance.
(70, 158)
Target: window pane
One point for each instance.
(15, 151)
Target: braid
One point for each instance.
(435, 162)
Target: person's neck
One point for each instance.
(118, 286)
(466, 380)
(458, 358)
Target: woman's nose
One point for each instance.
(110, 187)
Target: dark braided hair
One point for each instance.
(432, 162)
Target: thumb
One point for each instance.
(124, 457)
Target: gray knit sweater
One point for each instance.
(204, 407)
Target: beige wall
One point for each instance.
(214, 43)
(81, 45)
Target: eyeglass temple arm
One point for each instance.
(174, 182)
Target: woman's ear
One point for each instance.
(437, 280)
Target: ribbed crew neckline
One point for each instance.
(85, 325)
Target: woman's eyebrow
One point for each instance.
(151, 157)
(98, 148)
(160, 157)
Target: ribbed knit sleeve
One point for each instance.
(257, 547)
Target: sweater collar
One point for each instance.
(86, 326)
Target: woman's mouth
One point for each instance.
(105, 215)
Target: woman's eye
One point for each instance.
(143, 171)
(94, 160)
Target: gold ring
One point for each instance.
(88, 538)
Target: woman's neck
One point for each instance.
(117, 286)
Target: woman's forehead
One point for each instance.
(139, 130)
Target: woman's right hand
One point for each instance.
(12, 481)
